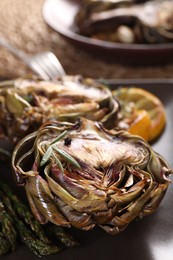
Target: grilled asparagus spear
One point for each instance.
(37, 246)
(25, 214)
(60, 233)
(4, 245)
(7, 226)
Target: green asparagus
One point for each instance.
(37, 246)
(25, 214)
(7, 226)
(4, 245)
(60, 233)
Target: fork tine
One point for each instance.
(56, 63)
(48, 66)
(38, 69)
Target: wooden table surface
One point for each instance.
(23, 25)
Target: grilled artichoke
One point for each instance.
(83, 175)
(26, 104)
(127, 21)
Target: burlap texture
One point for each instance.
(23, 25)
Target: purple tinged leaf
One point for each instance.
(44, 200)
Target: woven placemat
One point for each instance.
(23, 25)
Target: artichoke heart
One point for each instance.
(90, 175)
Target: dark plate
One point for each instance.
(59, 14)
(148, 239)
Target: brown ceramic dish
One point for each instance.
(60, 14)
(148, 239)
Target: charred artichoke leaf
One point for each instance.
(44, 201)
(120, 177)
(19, 157)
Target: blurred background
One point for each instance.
(22, 23)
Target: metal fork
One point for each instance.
(44, 64)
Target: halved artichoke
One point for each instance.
(25, 104)
(83, 175)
